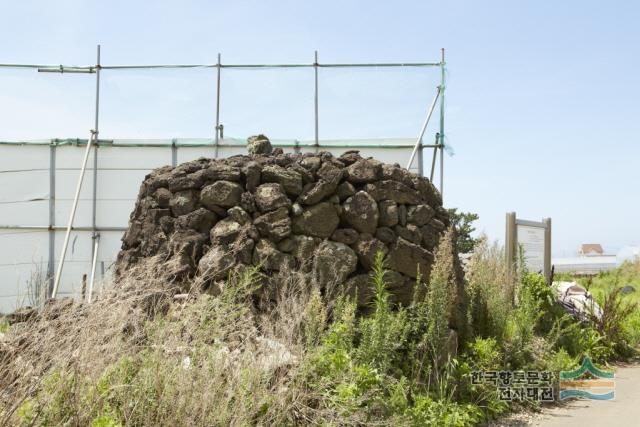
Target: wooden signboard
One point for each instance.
(534, 239)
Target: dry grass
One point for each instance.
(140, 355)
(489, 289)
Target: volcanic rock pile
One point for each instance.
(327, 216)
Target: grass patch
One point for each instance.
(138, 357)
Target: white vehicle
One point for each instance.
(576, 300)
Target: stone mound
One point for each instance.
(324, 215)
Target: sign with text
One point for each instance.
(531, 240)
(534, 239)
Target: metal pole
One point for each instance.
(442, 136)
(420, 160)
(56, 283)
(315, 99)
(547, 249)
(94, 235)
(442, 171)
(217, 109)
(510, 251)
(92, 140)
(433, 160)
(424, 127)
(93, 268)
(174, 153)
(52, 217)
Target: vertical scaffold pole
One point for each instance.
(74, 206)
(217, 108)
(95, 236)
(433, 160)
(420, 160)
(511, 252)
(315, 100)
(174, 152)
(52, 217)
(442, 89)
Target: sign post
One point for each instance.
(534, 238)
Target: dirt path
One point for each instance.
(624, 410)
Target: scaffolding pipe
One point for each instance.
(94, 260)
(315, 97)
(442, 137)
(51, 68)
(433, 160)
(94, 234)
(94, 137)
(48, 227)
(65, 245)
(424, 128)
(52, 219)
(217, 109)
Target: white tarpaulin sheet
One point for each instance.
(26, 185)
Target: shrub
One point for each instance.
(488, 290)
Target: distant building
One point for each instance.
(590, 261)
(590, 249)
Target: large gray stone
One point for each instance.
(183, 202)
(182, 183)
(330, 172)
(311, 163)
(269, 257)
(410, 232)
(392, 190)
(427, 191)
(185, 248)
(225, 231)
(388, 213)
(163, 197)
(363, 171)
(437, 224)
(360, 211)
(217, 172)
(290, 180)
(397, 173)
(348, 236)
(259, 144)
(225, 194)
(270, 197)
(333, 263)
(248, 202)
(216, 263)
(420, 214)
(200, 220)
(317, 192)
(251, 172)
(367, 248)
(319, 220)
(274, 225)
(239, 215)
(406, 258)
(430, 237)
(385, 235)
(345, 190)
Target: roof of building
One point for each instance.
(591, 248)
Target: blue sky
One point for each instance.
(542, 97)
